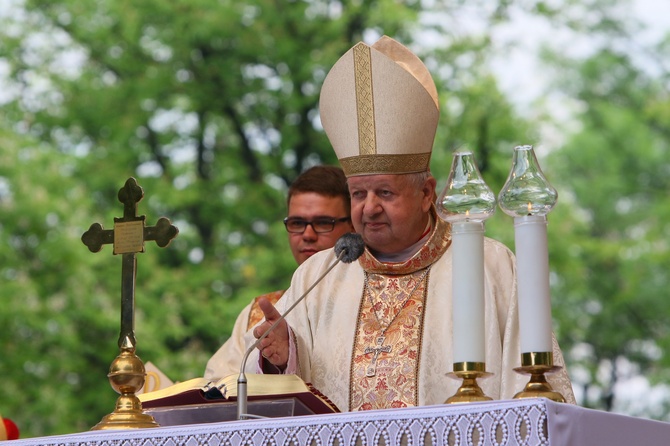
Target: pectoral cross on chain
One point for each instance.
(127, 238)
(380, 348)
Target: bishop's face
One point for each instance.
(390, 211)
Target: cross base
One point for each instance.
(127, 415)
(126, 376)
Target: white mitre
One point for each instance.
(379, 108)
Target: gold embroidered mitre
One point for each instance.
(379, 108)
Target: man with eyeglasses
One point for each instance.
(319, 211)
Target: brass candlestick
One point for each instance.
(469, 392)
(537, 364)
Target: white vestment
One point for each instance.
(326, 322)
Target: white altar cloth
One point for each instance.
(510, 422)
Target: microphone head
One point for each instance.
(349, 247)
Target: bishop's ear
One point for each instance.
(428, 193)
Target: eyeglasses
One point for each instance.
(320, 225)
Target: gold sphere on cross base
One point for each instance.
(126, 376)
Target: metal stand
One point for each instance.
(469, 391)
(537, 365)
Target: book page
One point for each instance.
(257, 385)
(175, 389)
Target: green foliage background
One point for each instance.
(213, 107)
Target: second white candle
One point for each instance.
(532, 259)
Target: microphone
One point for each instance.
(348, 248)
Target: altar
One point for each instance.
(535, 421)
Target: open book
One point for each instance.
(259, 388)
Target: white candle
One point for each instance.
(532, 259)
(467, 245)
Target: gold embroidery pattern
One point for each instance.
(395, 381)
(385, 164)
(367, 143)
(256, 314)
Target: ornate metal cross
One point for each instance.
(380, 348)
(127, 372)
(127, 238)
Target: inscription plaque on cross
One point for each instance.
(127, 371)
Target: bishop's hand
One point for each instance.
(275, 346)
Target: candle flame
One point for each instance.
(530, 207)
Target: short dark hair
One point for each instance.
(323, 180)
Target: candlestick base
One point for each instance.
(537, 365)
(469, 391)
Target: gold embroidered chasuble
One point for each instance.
(334, 325)
(387, 345)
